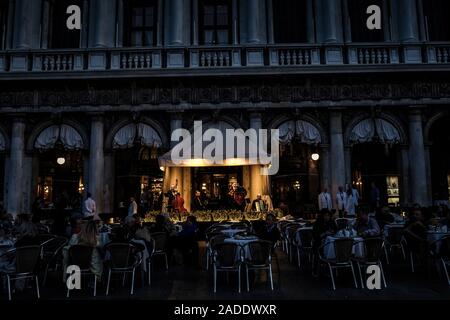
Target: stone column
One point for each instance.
(257, 181)
(16, 168)
(270, 26)
(428, 167)
(176, 122)
(419, 185)
(97, 162)
(337, 157)
(108, 192)
(405, 192)
(186, 193)
(27, 24)
(102, 24)
(175, 174)
(406, 29)
(28, 183)
(325, 166)
(348, 164)
(177, 17)
(253, 22)
(310, 21)
(314, 181)
(246, 179)
(329, 27)
(407, 18)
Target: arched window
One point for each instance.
(357, 13)
(60, 37)
(290, 21)
(3, 23)
(141, 23)
(215, 22)
(437, 22)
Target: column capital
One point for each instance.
(255, 113)
(415, 115)
(176, 114)
(96, 116)
(18, 117)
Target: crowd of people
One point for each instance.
(417, 222)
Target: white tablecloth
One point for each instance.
(144, 254)
(232, 232)
(434, 237)
(104, 239)
(297, 235)
(244, 244)
(392, 225)
(329, 253)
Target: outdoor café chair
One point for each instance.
(373, 250)
(260, 259)
(160, 246)
(304, 244)
(81, 256)
(213, 239)
(394, 240)
(26, 261)
(440, 252)
(51, 254)
(225, 259)
(445, 256)
(343, 249)
(123, 259)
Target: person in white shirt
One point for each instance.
(89, 206)
(355, 194)
(325, 200)
(350, 207)
(341, 201)
(133, 208)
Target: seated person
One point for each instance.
(130, 225)
(384, 216)
(367, 226)
(6, 244)
(186, 241)
(27, 235)
(88, 236)
(197, 203)
(323, 227)
(190, 228)
(76, 222)
(259, 205)
(160, 225)
(445, 220)
(270, 232)
(416, 234)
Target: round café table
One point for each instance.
(330, 254)
(232, 232)
(243, 243)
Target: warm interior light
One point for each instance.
(162, 169)
(61, 161)
(315, 156)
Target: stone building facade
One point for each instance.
(106, 98)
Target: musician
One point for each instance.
(239, 195)
(259, 205)
(198, 204)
